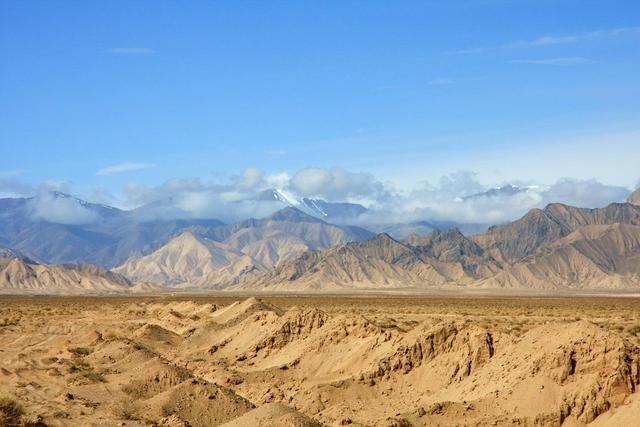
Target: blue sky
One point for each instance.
(100, 95)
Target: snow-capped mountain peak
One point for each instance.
(315, 207)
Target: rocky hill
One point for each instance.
(18, 276)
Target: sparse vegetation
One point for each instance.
(81, 351)
(11, 412)
(126, 410)
(83, 370)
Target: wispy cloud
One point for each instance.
(131, 50)
(574, 38)
(551, 40)
(440, 82)
(570, 60)
(123, 167)
(11, 173)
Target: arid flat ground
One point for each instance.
(311, 360)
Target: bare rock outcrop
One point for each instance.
(472, 345)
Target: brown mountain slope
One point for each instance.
(247, 248)
(516, 240)
(381, 262)
(594, 256)
(454, 255)
(286, 234)
(188, 259)
(17, 276)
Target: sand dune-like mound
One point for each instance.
(162, 388)
(251, 362)
(576, 371)
(199, 403)
(470, 346)
(240, 310)
(295, 324)
(554, 373)
(273, 414)
(158, 334)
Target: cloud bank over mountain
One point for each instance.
(457, 197)
(60, 210)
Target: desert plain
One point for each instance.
(372, 360)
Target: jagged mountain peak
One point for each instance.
(292, 214)
(384, 237)
(8, 253)
(316, 207)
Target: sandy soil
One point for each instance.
(311, 360)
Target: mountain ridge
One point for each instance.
(246, 248)
(18, 276)
(558, 247)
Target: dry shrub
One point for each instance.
(10, 412)
(83, 370)
(126, 410)
(81, 351)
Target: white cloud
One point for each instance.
(585, 193)
(251, 178)
(11, 173)
(131, 50)
(60, 209)
(123, 167)
(335, 184)
(569, 60)
(573, 38)
(552, 40)
(444, 201)
(52, 185)
(12, 188)
(239, 197)
(101, 195)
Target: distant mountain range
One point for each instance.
(404, 230)
(558, 247)
(108, 236)
(112, 236)
(328, 211)
(246, 248)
